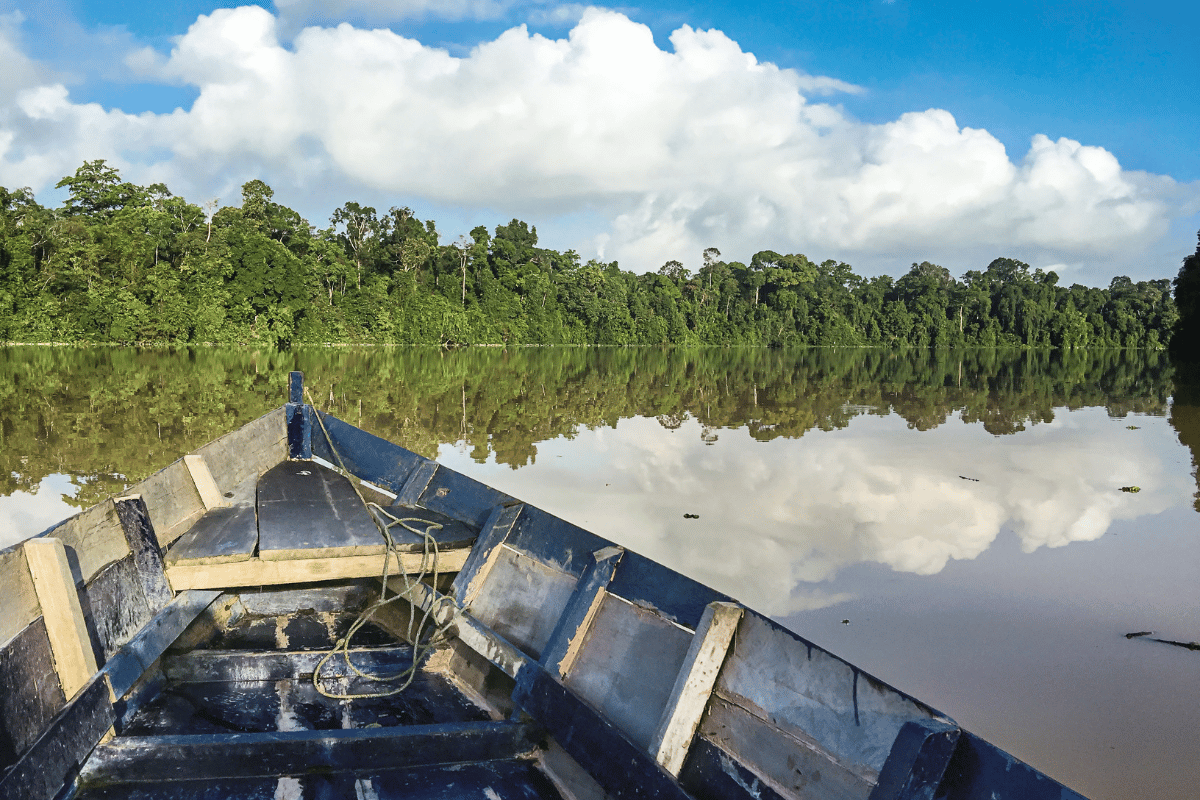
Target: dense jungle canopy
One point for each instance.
(120, 263)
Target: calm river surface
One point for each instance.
(954, 523)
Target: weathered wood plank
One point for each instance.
(270, 602)
(474, 572)
(299, 419)
(166, 758)
(306, 510)
(917, 762)
(30, 694)
(410, 493)
(566, 771)
(981, 771)
(627, 666)
(524, 599)
(203, 666)
(414, 479)
(170, 494)
(172, 500)
(221, 536)
(470, 631)
(807, 691)
(568, 635)
(117, 606)
(462, 497)
(126, 708)
(20, 600)
(210, 495)
(129, 663)
(480, 680)
(365, 455)
(694, 685)
(224, 613)
(299, 430)
(621, 767)
(248, 451)
(147, 555)
(507, 779)
(791, 764)
(713, 774)
(55, 757)
(74, 660)
(257, 572)
(676, 597)
(555, 541)
(93, 538)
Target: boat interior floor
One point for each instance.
(511, 780)
(232, 712)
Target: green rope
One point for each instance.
(428, 568)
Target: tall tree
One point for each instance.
(1186, 339)
(359, 227)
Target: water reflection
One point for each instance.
(25, 513)
(106, 417)
(109, 416)
(1185, 414)
(937, 500)
(795, 514)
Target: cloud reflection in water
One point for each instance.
(23, 514)
(779, 520)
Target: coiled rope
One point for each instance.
(428, 568)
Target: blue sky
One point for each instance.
(880, 133)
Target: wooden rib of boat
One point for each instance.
(164, 645)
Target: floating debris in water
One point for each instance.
(691, 516)
(965, 478)
(1132, 428)
(845, 622)
(1173, 643)
(1131, 489)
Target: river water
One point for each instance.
(979, 529)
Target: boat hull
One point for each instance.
(148, 656)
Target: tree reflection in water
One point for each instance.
(110, 416)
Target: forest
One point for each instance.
(125, 264)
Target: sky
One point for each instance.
(1064, 133)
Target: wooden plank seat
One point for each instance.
(301, 521)
(306, 510)
(226, 532)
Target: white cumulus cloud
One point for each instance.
(673, 149)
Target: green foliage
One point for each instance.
(110, 416)
(1186, 341)
(120, 263)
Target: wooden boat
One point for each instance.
(179, 642)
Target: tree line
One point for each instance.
(121, 263)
